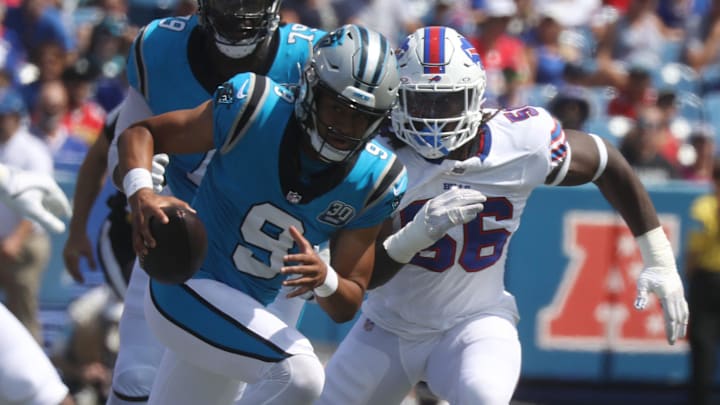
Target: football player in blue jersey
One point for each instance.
(291, 171)
(177, 63)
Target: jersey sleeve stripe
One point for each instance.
(140, 63)
(558, 143)
(556, 133)
(393, 171)
(257, 95)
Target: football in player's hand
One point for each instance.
(180, 247)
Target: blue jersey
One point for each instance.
(254, 189)
(168, 66)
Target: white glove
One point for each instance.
(159, 162)
(661, 278)
(36, 196)
(433, 221)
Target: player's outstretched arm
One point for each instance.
(432, 222)
(593, 159)
(34, 195)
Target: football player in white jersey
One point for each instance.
(35, 196)
(440, 312)
(26, 374)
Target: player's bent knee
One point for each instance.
(133, 385)
(307, 377)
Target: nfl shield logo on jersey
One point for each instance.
(224, 94)
(293, 197)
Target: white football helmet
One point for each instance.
(442, 84)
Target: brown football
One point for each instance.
(180, 247)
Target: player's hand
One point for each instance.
(159, 162)
(453, 207)
(438, 215)
(78, 245)
(665, 283)
(145, 204)
(35, 196)
(306, 269)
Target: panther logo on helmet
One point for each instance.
(355, 68)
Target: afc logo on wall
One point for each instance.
(592, 308)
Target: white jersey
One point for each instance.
(462, 275)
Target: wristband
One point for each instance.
(329, 286)
(136, 179)
(655, 249)
(404, 244)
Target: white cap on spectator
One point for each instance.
(500, 8)
(568, 13)
(554, 11)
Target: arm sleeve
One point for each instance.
(133, 109)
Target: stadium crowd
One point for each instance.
(644, 74)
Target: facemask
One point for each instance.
(326, 151)
(233, 51)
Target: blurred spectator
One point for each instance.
(141, 12)
(450, 13)
(110, 42)
(504, 56)
(702, 43)
(12, 51)
(37, 22)
(670, 141)
(86, 358)
(547, 57)
(702, 269)
(571, 106)
(24, 246)
(85, 117)
(50, 61)
(641, 148)
(620, 5)
(581, 15)
(68, 150)
(636, 94)
(392, 18)
(702, 142)
(675, 13)
(638, 35)
(312, 13)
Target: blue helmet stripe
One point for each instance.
(360, 74)
(380, 66)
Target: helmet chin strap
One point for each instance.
(233, 51)
(326, 151)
